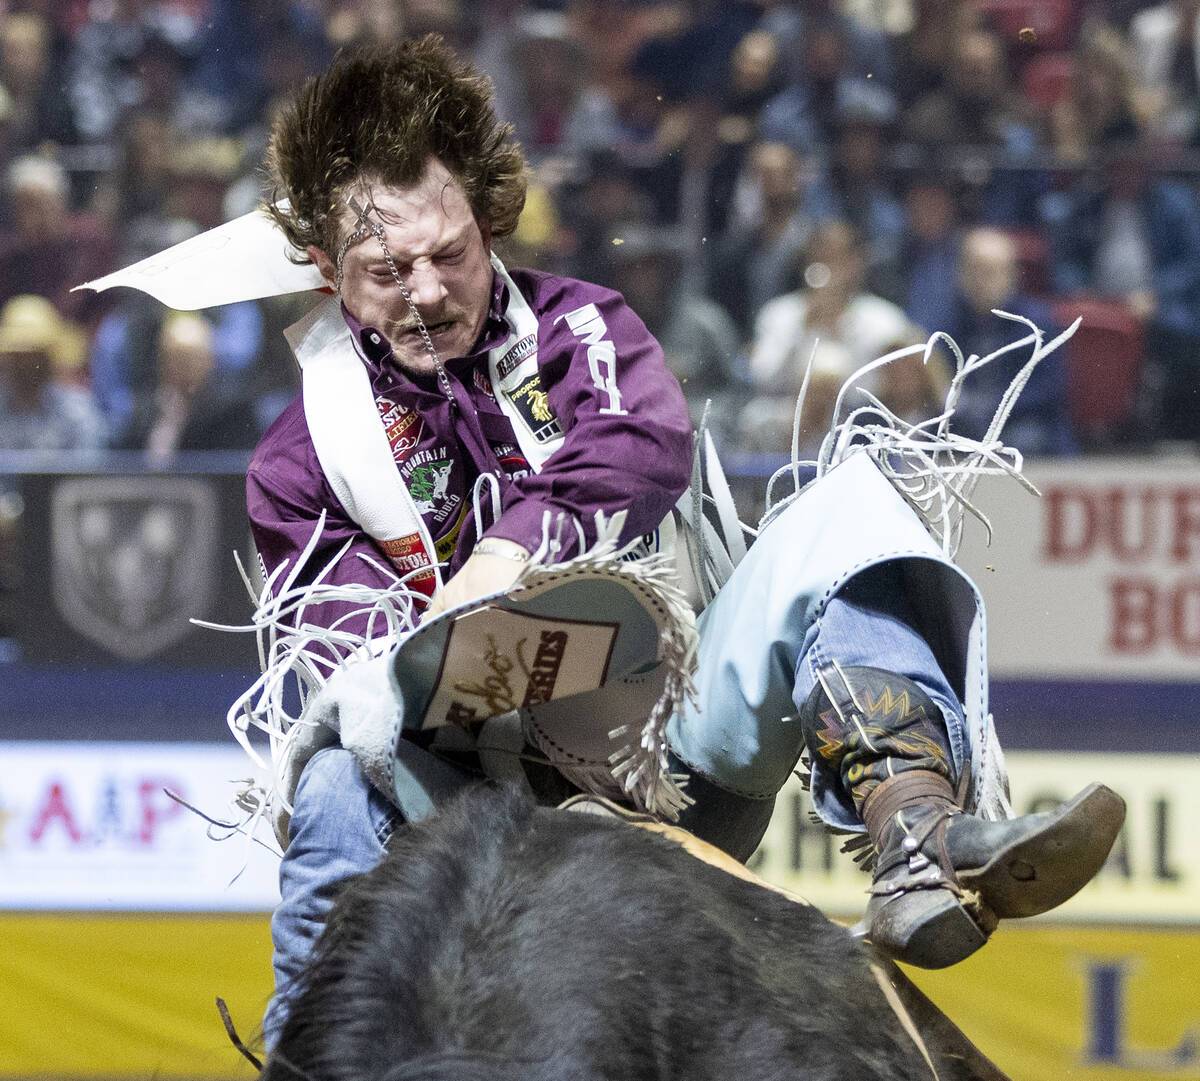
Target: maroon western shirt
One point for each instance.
(627, 441)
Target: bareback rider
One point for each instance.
(843, 629)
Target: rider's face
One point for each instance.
(442, 256)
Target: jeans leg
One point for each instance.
(339, 827)
(871, 622)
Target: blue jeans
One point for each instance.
(738, 763)
(339, 827)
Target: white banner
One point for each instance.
(1152, 874)
(1099, 578)
(90, 826)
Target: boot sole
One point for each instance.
(925, 928)
(1041, 871)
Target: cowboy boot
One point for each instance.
(942, 879)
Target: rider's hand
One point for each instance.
(482, 574)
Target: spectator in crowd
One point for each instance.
(352, 23)
(1100, 108)
(756, 259)
(553, 108)
(137, 383)
(925, 51)
(724, 125)
(767, 420)
(805, 115)
(698, 338)
(39, 110)
(914, 388)
(868, 53)
(43, 403)
(138, 188)
(1131, 235)
(249, 53)
(687, 57)
(977, 108)
(1167, 67)
(924, 278)
(987, 281)
(596, 205)
(612, 31)
(831, 308)
(104, 76)
(858, 188)
(648, 136)
(195, 406)
(49, 249)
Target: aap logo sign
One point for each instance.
(133, 559)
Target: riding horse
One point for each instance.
(504, 940)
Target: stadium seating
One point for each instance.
(1104, 361)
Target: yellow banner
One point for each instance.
(88, 996)
(118, 997)
(1153, 874)
(1065, 1003)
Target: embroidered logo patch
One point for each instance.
(408, 555)
(429, 486)
(511, 360)
(402, 426)
(533, 404)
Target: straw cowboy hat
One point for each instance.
(32, 324)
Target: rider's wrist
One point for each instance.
(498, 546)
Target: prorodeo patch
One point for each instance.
(533, 403)
(495, 661)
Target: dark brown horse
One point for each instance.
(502, 940)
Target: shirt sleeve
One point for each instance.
(284, 501)
(627, 436)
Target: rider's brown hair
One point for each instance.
(380, 113)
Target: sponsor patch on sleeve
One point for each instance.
(533, 403)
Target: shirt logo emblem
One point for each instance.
(533, 404)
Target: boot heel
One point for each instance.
(926, 928)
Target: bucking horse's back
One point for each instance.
(501, 940)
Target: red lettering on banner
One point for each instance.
(55, 809)
(1072, 524)
(1136, 524)
(1145, 614)
(156, 807)
(1185, 616)
(1130, 518)
(1185, 524)
(1133, 626)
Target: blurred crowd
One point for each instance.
(777, 188)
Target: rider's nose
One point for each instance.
(425, 285)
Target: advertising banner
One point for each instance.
(1097, 579)
(116, 567)
(1152, 875)
(91, 826)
